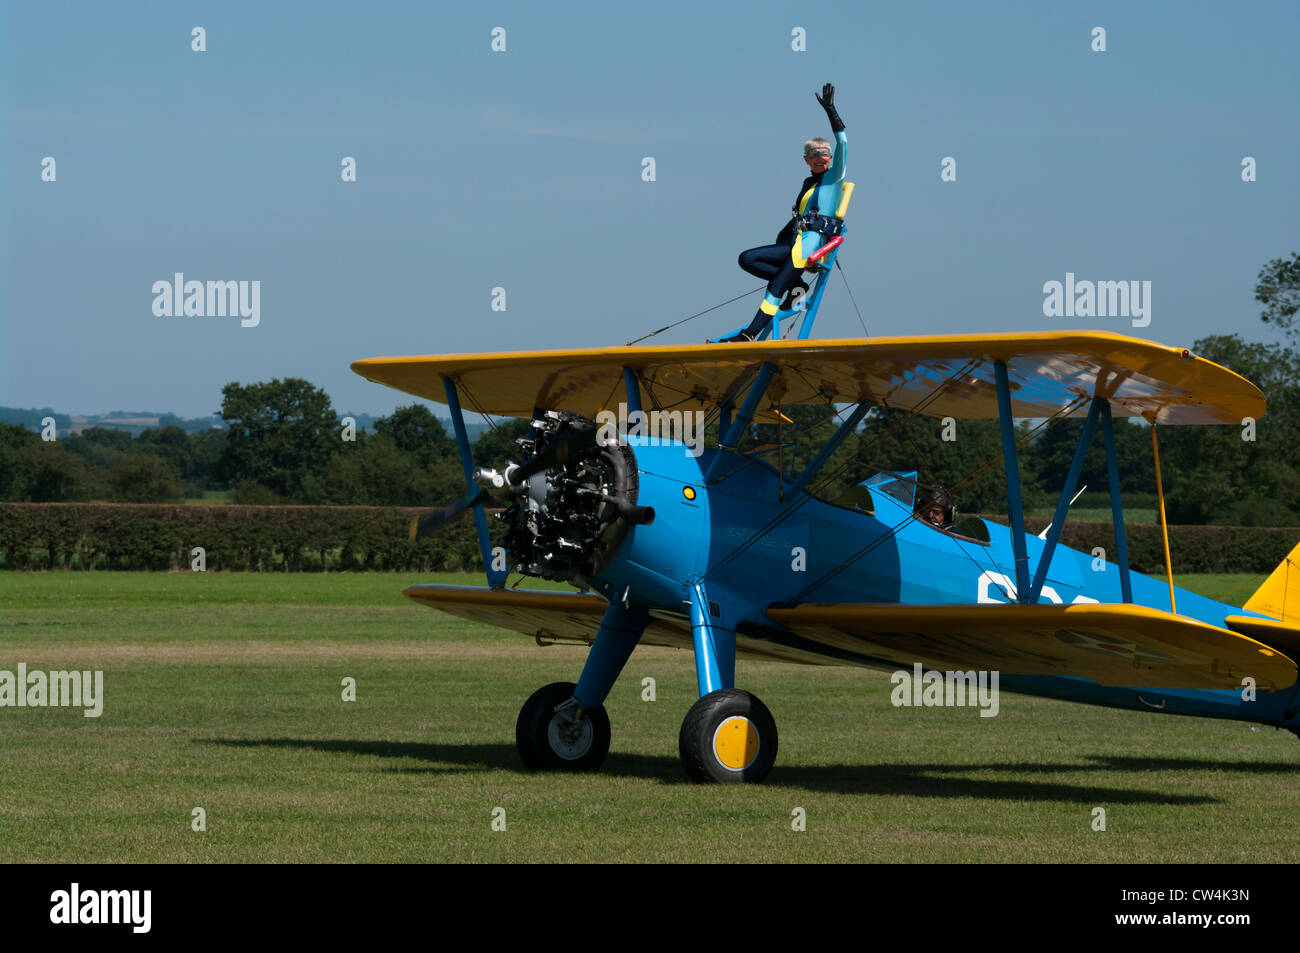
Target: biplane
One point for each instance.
(728, 556)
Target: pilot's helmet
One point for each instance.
(935, 497)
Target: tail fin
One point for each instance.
(1279, 597)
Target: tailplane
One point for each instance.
(1279, 597)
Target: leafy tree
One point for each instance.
(17, 448)
(969, 466)
(415, 430)
(811, 426)
(279, 432)
(99, 446)
(52, 474)
(380, 473)
(1046, 461)
(1258, 511)
(1278, 289)
(172, 445)
(496, 447)
(144, 478)
(208, 448)
(1211, 473)
(248, 493)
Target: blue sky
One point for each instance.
(522, 170)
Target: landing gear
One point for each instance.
(728, 736)
(554, 733)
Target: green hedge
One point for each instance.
(260, 538)
(349, 538)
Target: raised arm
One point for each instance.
(836, 171)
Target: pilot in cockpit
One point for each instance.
(935, 508)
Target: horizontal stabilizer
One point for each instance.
(1280, 635)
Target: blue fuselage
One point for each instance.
(755, 550)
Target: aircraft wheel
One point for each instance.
(550, 740)
(728, 736)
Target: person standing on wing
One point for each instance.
(783, 262)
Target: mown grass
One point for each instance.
(222, 691)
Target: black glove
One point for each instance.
(827, 100)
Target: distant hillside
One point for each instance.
(133, 422)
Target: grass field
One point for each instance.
(222, 691)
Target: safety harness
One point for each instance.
(811, 221)
(814, 222)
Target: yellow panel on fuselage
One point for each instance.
(953, 374)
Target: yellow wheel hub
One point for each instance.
(735, 743)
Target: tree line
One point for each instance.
(285, 444)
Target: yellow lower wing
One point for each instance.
(572, 617)
(1109, 644)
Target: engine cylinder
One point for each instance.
(570, 520)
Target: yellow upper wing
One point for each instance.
(952, 373)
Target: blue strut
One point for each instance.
(620, 630)
(496, 578)
(1063, 505)
(729, 440)
(1016, 508)
(715, 645)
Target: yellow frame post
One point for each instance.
(1164, 526)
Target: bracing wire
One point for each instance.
(669, 327)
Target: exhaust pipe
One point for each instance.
(636, 515)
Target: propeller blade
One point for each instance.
(569, 444)
(435, 519)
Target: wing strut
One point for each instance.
(1100, 407)
(832, 445)
(496, 578)
(1063, 506)
(1014, 505)
(728, 441)
(1164, 526)
(1116, 504)
(633, 387)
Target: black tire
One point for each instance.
(541, 734)
(718, 727)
